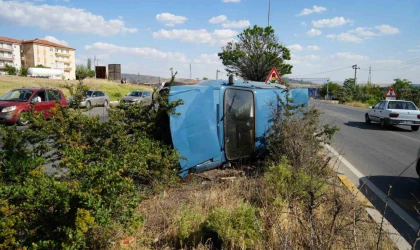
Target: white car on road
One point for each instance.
(394, 112)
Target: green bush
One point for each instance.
(371, 101)
(101, 170)
(189, 223)
(238, 227)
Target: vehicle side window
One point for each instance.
(382, 105)
(101, 94)
(95, 94)
(146, 94)
(377, 105)
(40, 96)
(239, 120)
(53, 95)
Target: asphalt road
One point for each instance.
(381, 156)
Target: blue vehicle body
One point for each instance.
(221, 122)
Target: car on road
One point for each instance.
(136, 96)
(90, 99)
(394, 112)
(17, 102)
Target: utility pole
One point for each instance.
(94, 60)
(370, 75)
(355, 73)
(217, 74)
(328, 93)
(172, 71)
(269, 6)
(190, 71)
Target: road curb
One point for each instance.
(373, 213)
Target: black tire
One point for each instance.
(22, 121)
(382, 123)
(106, 103)
(88, 105)
(418, 167)
(415, 128)
(367, 119)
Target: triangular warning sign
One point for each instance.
(391, 92)
(273, 76)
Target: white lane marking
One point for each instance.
(413, 224)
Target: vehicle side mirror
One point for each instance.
(371, 107)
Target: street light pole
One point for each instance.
(217, 74)
(328, 93)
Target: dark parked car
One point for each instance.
(18, 101)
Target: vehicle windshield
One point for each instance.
(17, 95)
(134, 93)
(402, 105)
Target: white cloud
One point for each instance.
(333, 22)
(386, 29)
(60, 18)
(413, 50)
(315, 9)
(231, 1)
(139, 52)
(218, 19)
(295, 47)
(313, 32)
(303, 23)
(209, 59)
(55, 40)
(197, 36)
(236, 24)
(345, 37)
(363, 32)
(313, 47)
(170, 19)
(349, 56)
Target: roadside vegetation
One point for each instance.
(365, 95)
(115, 90)
(76, 182)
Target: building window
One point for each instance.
(52, 49)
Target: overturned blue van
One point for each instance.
(222, 121)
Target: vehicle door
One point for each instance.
(381, 111)
(40, 103)
(101, 98)
(53, 98)
(239, 123)
(95, 98)
(374, 111)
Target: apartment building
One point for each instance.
(49, 54)
(10, 53)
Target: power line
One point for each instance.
(402, 64)
(324, 72)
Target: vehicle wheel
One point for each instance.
(415, 128)
(22, 121)
(106, 103)
(367, 119)
(88, 105)
(383, 125)
(418, 167)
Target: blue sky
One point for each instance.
(151, 36)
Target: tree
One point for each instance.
(41, 66)
(81, 72)
(399, 85)
(349, 83)
(332, 87)
(205, 78)
(256, 53)
(10, 70)
(89, 64)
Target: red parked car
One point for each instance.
(18, 101)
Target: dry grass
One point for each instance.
(285, 225)
(114, 90)
(357, 104)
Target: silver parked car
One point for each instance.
(394, 112)
(137, 96)
(92, 98)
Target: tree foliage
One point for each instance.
(97, 173)
(83, 72)
(400, 84)
(255, 54)
(332, 88)
(10, 70)
(41, 66)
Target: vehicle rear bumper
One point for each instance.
(8, 117)
(404, 122)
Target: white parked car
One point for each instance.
(394, 112)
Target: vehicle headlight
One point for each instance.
(8, 109)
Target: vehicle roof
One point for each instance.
(36, 88)
(395, 101)
(139, 91)
(240, 83)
